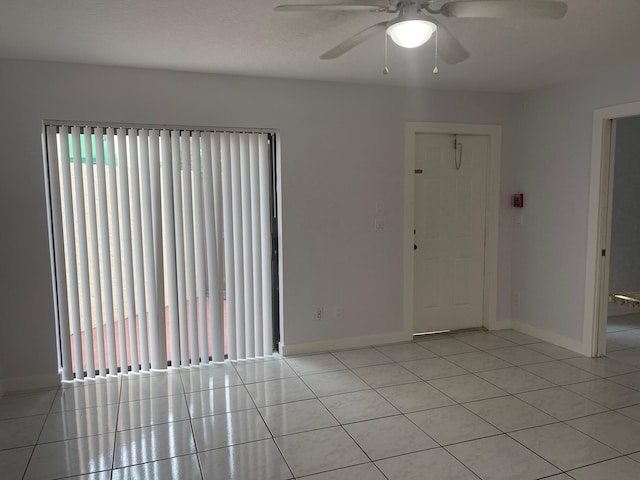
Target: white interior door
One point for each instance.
(449, 219)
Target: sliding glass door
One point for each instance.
(162, 245)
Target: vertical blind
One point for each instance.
(161, 247)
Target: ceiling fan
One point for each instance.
(415, 23)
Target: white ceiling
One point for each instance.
(246, 37)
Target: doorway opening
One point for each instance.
(623, 316)
(611, 319)
(444, 132)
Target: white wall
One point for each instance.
(553, 170)
(624, 267)
(342, 151)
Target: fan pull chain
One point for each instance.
(435, 70)
(385, 70)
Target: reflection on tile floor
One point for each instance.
(500, 405)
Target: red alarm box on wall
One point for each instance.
(518, 200)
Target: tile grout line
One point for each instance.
(115, 433)
(555, 423)
(556, 466)
(193, 435)
(330, 413)
(607, 408)
(273, 439)
(33, 450)
(507, 433)
(338, 421)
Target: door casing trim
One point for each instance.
(494, 132)
(594, 331)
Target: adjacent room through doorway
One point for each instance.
(623, 319)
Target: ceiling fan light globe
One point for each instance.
(411, 33)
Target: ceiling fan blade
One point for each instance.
(449, 48)
(548, 9)
(354, 41)
(346, 5)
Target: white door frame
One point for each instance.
(594, 336)
(494, 132)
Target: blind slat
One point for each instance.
(81, 238)
(200, 252)
(265, 232)
(238, 259)
(178, 229)
(216, 173)
(138, 253)
(254, 172)
(148, 248)
(106, 252)
(230, 282)
(190, 264)
(127, 249)
(95, 257)
(247, 247)
(123, 360)
(210, 157)
(59, 256)
(159, 358)
(170, 247)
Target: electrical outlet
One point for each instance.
(319, 313)
(518, 221)
(339, 313)
(515, 298)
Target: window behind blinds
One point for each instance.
(161, 246)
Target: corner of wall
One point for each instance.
(500, 325)
(550, 337)
(25, 384)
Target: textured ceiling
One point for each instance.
(246, 37)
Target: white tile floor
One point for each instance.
(467, 406)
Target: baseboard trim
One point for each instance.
(550, 337)
(344, 343)
(35, 382)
